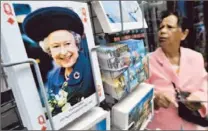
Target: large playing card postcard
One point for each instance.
(58, 35)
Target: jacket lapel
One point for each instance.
(166, 65)
(183, 74)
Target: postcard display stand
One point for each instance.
(21, 78)
(110, 18)
(127, 96)
(95, 119)
(84, 115)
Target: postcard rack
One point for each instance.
(40, 83)
(38, 74)
(141, 3)
(8, 105)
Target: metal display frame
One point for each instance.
(40, 83)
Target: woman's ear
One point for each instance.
(184, 34)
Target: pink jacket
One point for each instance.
(192, 78)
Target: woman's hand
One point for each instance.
(163, 100)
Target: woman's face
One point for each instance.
(170, 33)
(63, 48)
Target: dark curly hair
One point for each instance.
(182, 20)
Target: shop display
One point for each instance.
(130, 66)
(111, 74)
(199, 26)
(95, 119)
(136, 49)
(200, 43)
(115, 87)
(135, 111)
(111, 61)
(66, 103)
(108, 13)
(132, 34)
(110, 57)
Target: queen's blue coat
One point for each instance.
(80, 83)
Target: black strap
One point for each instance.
(178, 96)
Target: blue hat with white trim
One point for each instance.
(40, 23)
